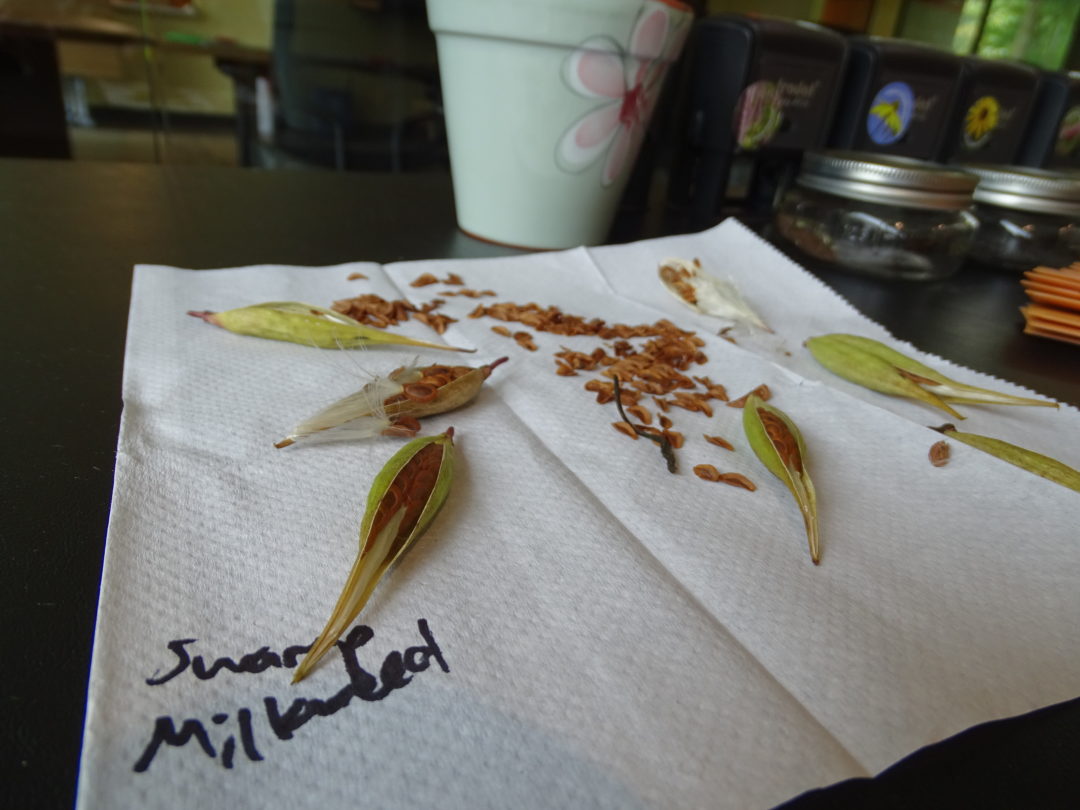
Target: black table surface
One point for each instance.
(70, 234)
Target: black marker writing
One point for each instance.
(252, 663)
(362, 684)
(397, 671)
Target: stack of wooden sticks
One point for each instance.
(1055, 309)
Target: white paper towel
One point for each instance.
(615, 636)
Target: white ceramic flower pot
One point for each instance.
(546, 104)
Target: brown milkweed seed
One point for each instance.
(762, 391)
(423, 280)
(436, 322)
(625, 427)
(454, 278)
(719, 441)
(665, 423)
(674, 437)
(640, 413)
(737, 480)
(939, 453)
(354, 276)
(501, 330)
(406, 426)
(420, 392)
(525, 341)
(564, 370)
(707, 471)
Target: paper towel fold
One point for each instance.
(614, 635)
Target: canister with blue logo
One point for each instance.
(897, 99)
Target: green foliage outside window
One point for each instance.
(1038, 32)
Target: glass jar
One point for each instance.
(879, 215)
(1027, 217)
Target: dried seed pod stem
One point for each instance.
(666, 449)
(778, 443)
(404, 499)
(1049, 468)
(307, 325)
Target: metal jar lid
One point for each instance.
(1025, 189)
(886, 179)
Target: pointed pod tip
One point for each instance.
(203, 314)
(449, 433)
(283, 443)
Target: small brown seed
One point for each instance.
(640, 413)
(501, 330)
(564, 370)
(719, 441)
(419, 392)
(434, 380)
(423, 280)
(406, 426)
(665, 423)
(939, 453)
(525, 341)
(707, 472)
(625, 428)
(674, 437)
(762, 391)
(737, 480)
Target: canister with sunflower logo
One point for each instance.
(995, 101)
(1027, 217)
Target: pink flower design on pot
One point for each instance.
(629, 81)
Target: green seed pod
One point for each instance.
(404, 499)
(874, 365)
(779, 445)
(307, 325)
(1029, 460)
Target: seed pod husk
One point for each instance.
(386, 403)
(308, 325)
(705, 293)
(874, 365)
(1049, 468)
(404, 499)
(779, 444)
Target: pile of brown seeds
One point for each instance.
(659, 368)
(378, 312)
